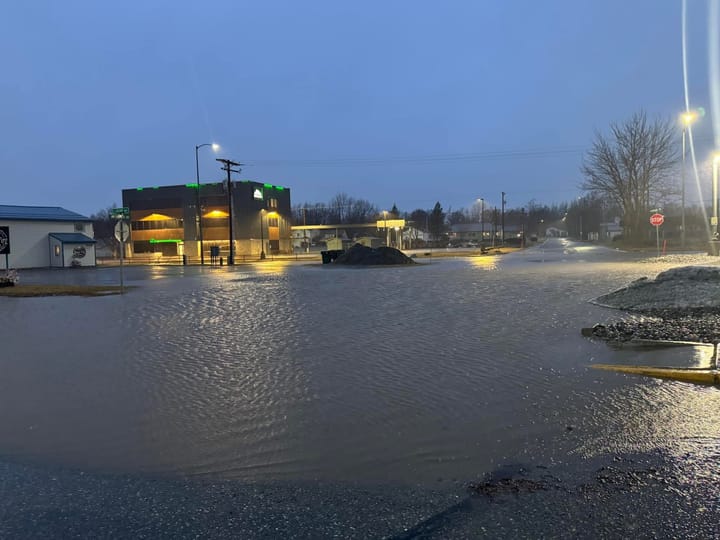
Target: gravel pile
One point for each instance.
(680, 304)
(361, 255)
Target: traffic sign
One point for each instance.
(120, 213)
(122, 231)
(656, 220)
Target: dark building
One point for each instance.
(165, 221)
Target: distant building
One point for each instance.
(610, 230)
(43, 236)
(475, 232)
(164, 220)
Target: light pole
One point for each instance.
(714, 223)
(482, 221)
(687, 119)
(198, 211)
(502, 221)
(262, 239)
(387, 232)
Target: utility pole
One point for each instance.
(228, 167)
(502, 221)
(494, 225)
(482, 221)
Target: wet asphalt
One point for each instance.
(652, 495)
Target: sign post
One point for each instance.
(122, 233)
(656, 220)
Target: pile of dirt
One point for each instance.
(365, 256)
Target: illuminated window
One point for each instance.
(57, 250)
(272, 222)
(272, 203)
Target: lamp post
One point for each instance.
(198, 211)
(687, 119)
(482, 220)
(387, 232)
(714, 223)
(262, 239)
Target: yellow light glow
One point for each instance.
(273, 214)
(155, 217)
(688, 117)
(216, 214)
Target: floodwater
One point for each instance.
(432, 374)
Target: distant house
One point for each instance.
(555, 232)
(45, 236)
(610, 230)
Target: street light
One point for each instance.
(387, 232)
(198, 211)
(714, 223)
(687, 119)
(262, 239)
(482, 220)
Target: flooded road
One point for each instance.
(429, 375)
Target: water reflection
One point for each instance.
(281, 370)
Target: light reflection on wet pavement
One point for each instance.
(431, 376)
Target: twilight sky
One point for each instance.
(406, 102)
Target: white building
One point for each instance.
(43, 236)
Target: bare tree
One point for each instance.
(631, 166)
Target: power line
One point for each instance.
(476, 156)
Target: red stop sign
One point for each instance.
(656, 220)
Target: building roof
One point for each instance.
(39, 213)
(72, 238)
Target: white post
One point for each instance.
(122, 253)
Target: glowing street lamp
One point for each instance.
(215, 148)
(687, 118)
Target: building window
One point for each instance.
(272, 222)
(79, 227)
(57, 250)
(272, 203)
(157, 224)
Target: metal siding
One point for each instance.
(29, 241)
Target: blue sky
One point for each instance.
(405, 102)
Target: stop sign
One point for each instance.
(656, 220)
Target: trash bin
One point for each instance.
(184, 260)
(325, 257)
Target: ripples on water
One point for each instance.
(436, 372)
